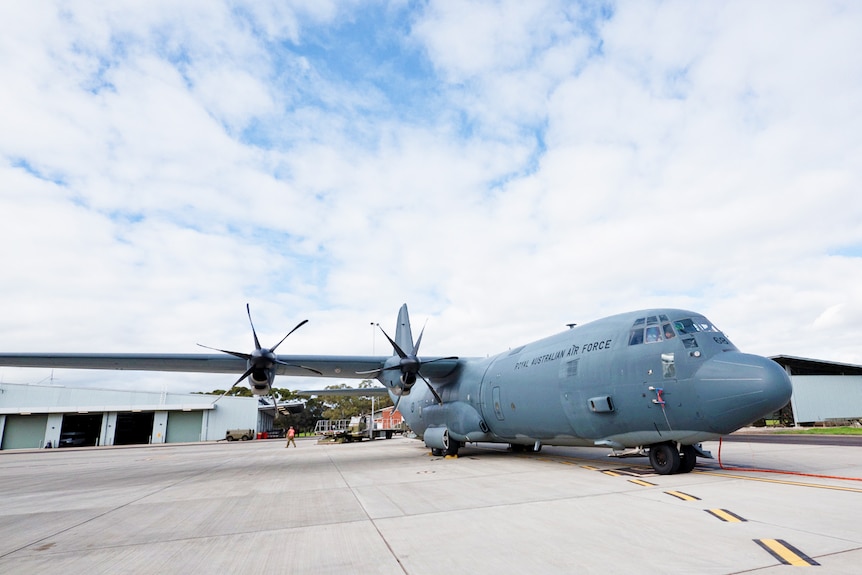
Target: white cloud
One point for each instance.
(163, 164)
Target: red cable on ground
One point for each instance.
(721, 465)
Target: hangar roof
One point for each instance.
(804, 366)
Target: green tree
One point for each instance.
(346, 406)
(305, 421)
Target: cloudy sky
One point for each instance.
(503, 167)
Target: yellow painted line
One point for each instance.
(590, 467)
(786, 553)
(683, 496)
(642, 482)
(726, 515)
(611, 473)
(782, 482)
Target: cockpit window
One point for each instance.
(668, 330)
(651, 329)
(693, 324)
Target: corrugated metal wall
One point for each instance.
(818, 398)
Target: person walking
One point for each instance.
(290, 435)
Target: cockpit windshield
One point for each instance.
(655, 328)
(694, 324)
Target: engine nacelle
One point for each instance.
(402, 385)
(259, 383)
(408, 380)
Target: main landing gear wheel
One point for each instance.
(688, 459)
(664, 458)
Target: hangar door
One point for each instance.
(134, 428)
(81, 429)
(184, 426)
(24, 431)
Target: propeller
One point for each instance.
(261, 362)
(410, 367)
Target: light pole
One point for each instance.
(374, 325)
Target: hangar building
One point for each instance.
(36, 416)
(823, 391)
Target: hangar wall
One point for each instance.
(33, 416)
(821, 398)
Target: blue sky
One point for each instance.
(505, 168)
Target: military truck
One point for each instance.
(241, 434)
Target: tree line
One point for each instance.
(316, 408)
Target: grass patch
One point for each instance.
(825, 431)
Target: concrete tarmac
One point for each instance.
(388, 507)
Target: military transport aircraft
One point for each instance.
(658, 380)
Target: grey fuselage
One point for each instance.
(629, 380)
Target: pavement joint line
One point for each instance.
(115, 508)
(365, 511)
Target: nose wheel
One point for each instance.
(666, 459)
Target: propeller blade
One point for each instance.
(305, 367)
(299, 325)
(275, 405)
(440, 359)
(371, 372)
(253, 332)
(433, 391)
(245, 375)
(395, 346)
(418, 341)
(238, 354)
(379, 370)
(224, 394)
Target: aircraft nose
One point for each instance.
(737, 389)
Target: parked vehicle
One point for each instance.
(241, 434)
(72, 439)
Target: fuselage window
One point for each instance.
(637, 336)
(653, 334)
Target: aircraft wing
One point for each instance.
(354, 391)
(333, 366)
(207, 363)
